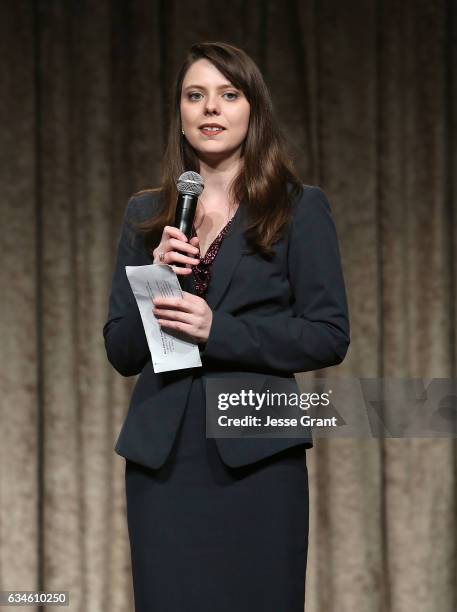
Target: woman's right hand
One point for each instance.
(175, 248)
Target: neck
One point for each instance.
(218, 175)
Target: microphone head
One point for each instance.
(191, 183)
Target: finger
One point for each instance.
(175, 303)
(171, 257)
(179, 327)
(196, 300)
(178, 245)
(173, 315)
(179, 271)
(174, 232)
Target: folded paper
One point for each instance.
(169, 349)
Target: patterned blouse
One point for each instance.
(202, 272)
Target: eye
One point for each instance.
(232, 93)
(192, 94)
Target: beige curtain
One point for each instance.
(366, 92)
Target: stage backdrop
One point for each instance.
(365, 90)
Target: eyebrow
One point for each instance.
(224, 86)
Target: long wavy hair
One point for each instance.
(266, 183)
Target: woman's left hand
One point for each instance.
(190, 315)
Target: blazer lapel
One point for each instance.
(224, 265)
(188, 283)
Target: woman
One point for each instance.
(222, 524)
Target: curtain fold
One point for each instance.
(365, 94)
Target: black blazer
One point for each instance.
(275, 317)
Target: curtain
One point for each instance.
(365, 92)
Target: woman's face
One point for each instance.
(207, 97)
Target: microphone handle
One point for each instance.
(185, 213)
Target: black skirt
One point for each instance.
(206, 537)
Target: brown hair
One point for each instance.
(267, 172)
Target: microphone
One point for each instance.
(190, 185)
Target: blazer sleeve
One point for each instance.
(125, 339)
(316, 335)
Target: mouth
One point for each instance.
(211, 129)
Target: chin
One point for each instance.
(213, 151)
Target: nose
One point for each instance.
(212, 104)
